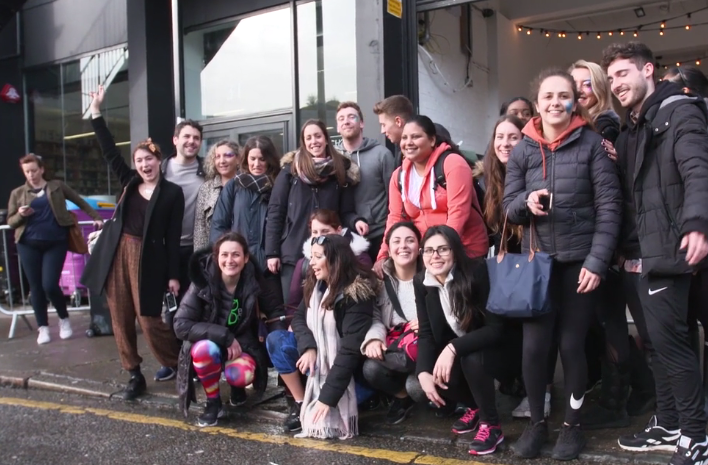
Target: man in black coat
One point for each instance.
(664, 162)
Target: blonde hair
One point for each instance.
(209, 164)
(600, 88)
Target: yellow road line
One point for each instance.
(340, 447)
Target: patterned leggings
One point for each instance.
(207, 360)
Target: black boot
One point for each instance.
(611, 410)
(136, 385)
(642, 400)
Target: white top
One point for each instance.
(414, 187)
(406, 297)
(444, 294)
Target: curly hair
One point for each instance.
(209, 164)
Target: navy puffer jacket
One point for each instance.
(585, 217)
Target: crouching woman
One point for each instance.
(218, 320)
(460, 349)
(329, 327)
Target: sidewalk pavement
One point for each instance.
(90, 367)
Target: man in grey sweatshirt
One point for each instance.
(376, 164)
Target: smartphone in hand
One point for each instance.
(171, 301)
(546, 202)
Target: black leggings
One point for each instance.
(574, 314)
(384, 379)
(470, 383)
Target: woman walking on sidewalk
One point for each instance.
(37, 212)
(136, 257)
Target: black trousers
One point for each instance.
(679, 389)
(573, 313)
(470, 383)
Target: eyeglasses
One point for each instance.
(319, 240)
(442, 251)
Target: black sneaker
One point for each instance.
(653, 437)
(136, 387)
(467, 423)
(529, 445)
(372, 403)
(238, 396)
(292, 422)
(212, 412)
(398, 410)
(487, 439)
(689, 452)
(600, 417)
(569, 444)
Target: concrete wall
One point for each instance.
(464, 111)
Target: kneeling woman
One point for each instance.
(218, 320)
(329, 327)
(394, 316)
(460, 349)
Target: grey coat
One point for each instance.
(206, 201)
(376, 164)
(584, 221)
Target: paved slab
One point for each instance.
(90, 367)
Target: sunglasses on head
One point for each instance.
(319, 240)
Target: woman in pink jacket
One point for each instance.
(416, 193)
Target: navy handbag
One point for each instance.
(519, 282)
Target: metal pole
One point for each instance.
(177, 59)
(7, 268)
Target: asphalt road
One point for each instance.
(39, 427)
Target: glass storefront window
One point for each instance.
(327, 58)
(242, 68)
(59, 125)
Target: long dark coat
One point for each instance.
(159, 258)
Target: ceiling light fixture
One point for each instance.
(640, 12)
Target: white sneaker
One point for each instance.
(43, 337)
(65, 331)
(524, 411)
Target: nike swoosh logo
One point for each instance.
(657, 291)
(575, 404)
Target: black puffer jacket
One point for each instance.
(670, 177)
(293, 201)
(584, 221)
(203, 312)
(353, 313)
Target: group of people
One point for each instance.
(360, 274)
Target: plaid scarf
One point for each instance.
(260, 184)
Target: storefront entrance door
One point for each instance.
(277, 128)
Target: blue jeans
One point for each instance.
(282, 348)
(42, 262)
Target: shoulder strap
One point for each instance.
(440, 170)
(391, 292)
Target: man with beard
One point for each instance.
(663, 157)
(184, 168)
(376, 165)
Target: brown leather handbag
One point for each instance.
(77, 243)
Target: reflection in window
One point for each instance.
(59, 128)
(239, 69)
(327, 58)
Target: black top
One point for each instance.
(135, 212)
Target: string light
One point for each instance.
(660, 26)
(580, 36)
(678, 63)
(698, 62)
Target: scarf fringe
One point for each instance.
(332, 432)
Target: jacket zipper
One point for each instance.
(550, 214)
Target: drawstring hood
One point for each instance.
(407, 165)
(534, 130)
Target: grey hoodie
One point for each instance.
(376, 164)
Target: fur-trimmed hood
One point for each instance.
(353, 171)
(360, 290)
(358, 244)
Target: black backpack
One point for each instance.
(442, 182)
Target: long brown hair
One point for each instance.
(303, 158)
(494, 178)
(344, 267)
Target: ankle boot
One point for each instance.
(611, 409)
